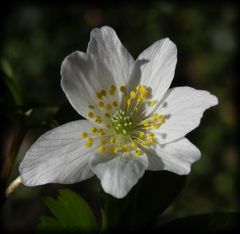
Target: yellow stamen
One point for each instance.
(101, 132)
(115, 150)
(89, 142)
(111, 150)
(84, 135)
(93, 130)
(101, 104)
(125, 149)
(90, 115)
(132, 94)
(91, 107)
(99, 95)
(101, 149)
(98, 120)
(107, 115)
(128, 102)
(138, 152)
(152, 103)
(112, 140)
(103, 92)
(109, 107)
(112, 90)
(122, 88)
(133, 144)
(141, 135)
(115, 103)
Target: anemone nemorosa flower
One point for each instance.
(134, 121)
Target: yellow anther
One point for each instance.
(122, 88)
(155, 126)
(98, 120)
(145, 123)
(111, 150)
(99, 95)
(141, 135)
(115, 103)
(136, 109)
(91, 106)
(139, 101)
(138, 152)
(161, 119)
(132, 94)
(108, 126)
(93, 130)
(101, 132)
(103, 142)
(125, 149)
(152, 103)
(89, 139)
(84, 135)
(112, 140)
(151, 135)
(133, 144)
(145, 142)
(107, 115)
(143, 92)
(153, 140)
(138, 87)
(90, 115)
(109, 107)
(103, 92)
(101, 149)
(112, 90)
(88, 144)
(101, 104)
(115, 150)
(154, 116)
(128, 102)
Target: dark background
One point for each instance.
(36, 37)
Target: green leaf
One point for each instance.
(148, 199)
(204, 223)
(72, 214)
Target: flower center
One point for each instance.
(123, 126)
(122, 123)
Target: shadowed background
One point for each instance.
(35, 38)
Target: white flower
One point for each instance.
(134, 121)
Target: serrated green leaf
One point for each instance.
(72, 214)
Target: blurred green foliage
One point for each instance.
(37, 37)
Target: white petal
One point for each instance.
(183, 107)
(105, 45)
(176, 157)
(58, 156)
(158, 64)
(118, 174)
(82, 77)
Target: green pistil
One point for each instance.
(121, 123)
